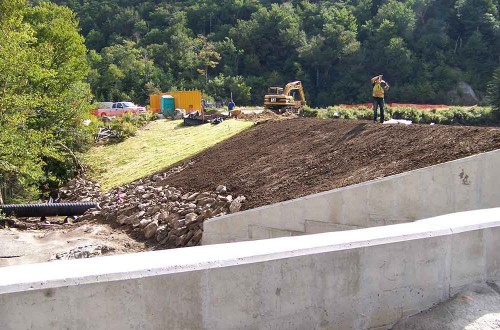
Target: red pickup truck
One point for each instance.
(117, 109)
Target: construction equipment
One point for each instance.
(281, 100)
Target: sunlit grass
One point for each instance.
(160, 144)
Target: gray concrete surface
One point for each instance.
(475, 308)
(360, 279)
(466, 184)
(33, 246)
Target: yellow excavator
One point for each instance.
(281, 100)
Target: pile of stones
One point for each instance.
(80, 190)
(82, 252)
(165, 215)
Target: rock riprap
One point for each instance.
(168, 216)
(80, 190)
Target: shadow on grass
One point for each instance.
(188, 124)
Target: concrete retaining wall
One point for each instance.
(467, 184)
(360, 279)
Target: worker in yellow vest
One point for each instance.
(379, 86)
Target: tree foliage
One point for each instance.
(423, 47)
(494, 92)
(43, 100)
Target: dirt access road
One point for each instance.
(45, 242)
(274, 161)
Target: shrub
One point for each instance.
(123, 129)
(366, 113)
(339, 112)
(450, 116)
(126, 126)
(309, 112)
(407, 113)
(431, 116)
(348, 113)
(138, 120)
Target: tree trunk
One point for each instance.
(210, 25)
(2, 185)
(456, 43)
(4, 88)
(317, 76)
(79, 166)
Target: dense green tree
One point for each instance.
(272, 35)
(228, 64)
(478, 15)
(215, 17)
(207, 55)
(43, 100)
(423, 47)
(122, 72)
(335, 41)
(494, 92)
(223, 88)
(20, 161)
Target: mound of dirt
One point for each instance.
(272, 162)
(265, 116)
(286, 159)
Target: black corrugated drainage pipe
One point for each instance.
(47, 210)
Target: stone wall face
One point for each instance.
(467, 184)
(166, 216)
(359, 279)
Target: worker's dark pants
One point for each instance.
(378, 102)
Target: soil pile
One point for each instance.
(286, 159)
(266, 116)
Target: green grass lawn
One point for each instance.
(157, 146)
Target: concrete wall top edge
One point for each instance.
(395, 176)
(466, 221)
(121, 267)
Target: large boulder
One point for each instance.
(463, 94)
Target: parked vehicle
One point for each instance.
(117, 109)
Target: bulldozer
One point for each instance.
(281, 99)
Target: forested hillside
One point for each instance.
(58, 57)
(44, 98)
(424, 48)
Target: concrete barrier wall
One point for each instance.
(360, 279)
(466, 184)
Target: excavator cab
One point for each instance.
(275, 91)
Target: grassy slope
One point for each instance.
(161, 144)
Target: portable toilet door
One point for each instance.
(167, 105)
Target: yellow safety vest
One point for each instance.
(378, 91)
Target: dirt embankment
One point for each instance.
(282, 160)
(276, 160)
